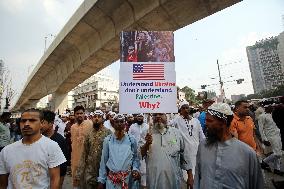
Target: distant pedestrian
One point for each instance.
(108, 121)
(202, 116)
(270, 135)
(67, 134)
(5, 137)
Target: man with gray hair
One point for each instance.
(223, 161)
(164, 154)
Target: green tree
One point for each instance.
(189, 95)
(278, 91)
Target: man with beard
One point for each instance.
(119, 157)
(48, 131)
(192, 134)
(242, 126)
(33, 161)
(223, 161)
(163, 152)
(78, 133)
(88, 169)
(109, 118)
(129, 121)
(139, 131)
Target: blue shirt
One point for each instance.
(202, 118)
(118, 155)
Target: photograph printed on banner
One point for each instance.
(147, 46)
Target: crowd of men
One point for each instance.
(218, 147)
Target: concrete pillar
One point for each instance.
(59, 102)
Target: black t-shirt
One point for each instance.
(63, 145)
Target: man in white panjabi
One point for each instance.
(270, 135)
(139, 131)
(109, 118)
(192, 133)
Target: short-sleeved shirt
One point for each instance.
(245, 129)
(28, 165)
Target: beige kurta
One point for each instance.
(78, 135)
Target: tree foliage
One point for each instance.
(190, 95)
(6, 90)
(278, 91)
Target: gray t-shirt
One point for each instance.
(27, 165)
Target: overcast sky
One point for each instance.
(223, 36)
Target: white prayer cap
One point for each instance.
(141, 114)
(65, 114)
(221, 110)
(111, 113)
(129, 115)
(98, 112)
(183, 102)
(118, 116)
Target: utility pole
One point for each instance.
(223, 98)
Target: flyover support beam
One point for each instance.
(59, 102)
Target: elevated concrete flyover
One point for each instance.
(89, 41)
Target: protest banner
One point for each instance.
(147, 73)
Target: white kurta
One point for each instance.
(192, 134)
(139, 132)
(108, 125)
(270, 132)
(165, 160)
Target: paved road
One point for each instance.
(268, 185)
(67, 182)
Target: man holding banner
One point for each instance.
(164, 154)
(149, 86)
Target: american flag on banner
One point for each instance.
(148, 72)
